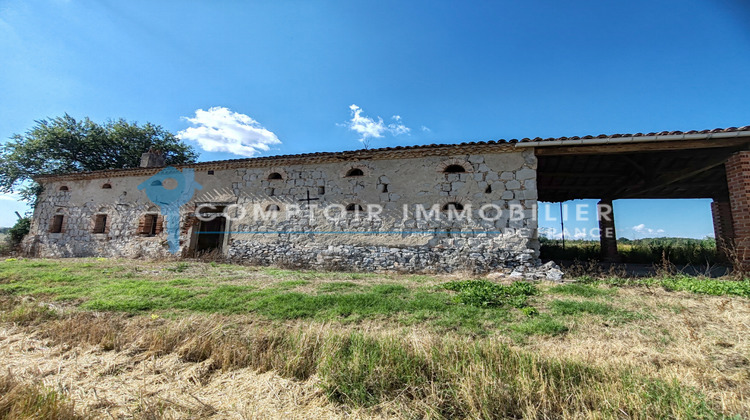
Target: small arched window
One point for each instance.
(273, 207)
(454, 169)
(274, 175)
(355, 172)
(107, 186)
(64, 188)
(354, 207)
(453, 206)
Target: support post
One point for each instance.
(738, 182)
(607, 234)
(721, 213)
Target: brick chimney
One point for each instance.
(152, 159)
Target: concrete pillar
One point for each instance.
(738, 181)
(721, 212)
(607, 234)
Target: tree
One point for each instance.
(18, 231)
(63, 145)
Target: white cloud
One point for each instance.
(9, 197)
(397, 127)
(643, 230)
(425, 129)
(580, 235)
(221, 130)
(369, 128)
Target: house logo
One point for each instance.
(169, 190)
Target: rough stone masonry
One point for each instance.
(439, 209)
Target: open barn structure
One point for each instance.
(709, 164)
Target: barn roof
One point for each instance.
(678, 139)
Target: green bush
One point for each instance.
(18, 231)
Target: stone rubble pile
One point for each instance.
(549, 271)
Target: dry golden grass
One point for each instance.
(203, 366)
(131, 383)
(19, 400)
(116, 365)
(701, 341)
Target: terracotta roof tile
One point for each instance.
(345, 155)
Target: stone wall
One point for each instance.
(304, 234)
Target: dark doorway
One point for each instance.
(210, 235)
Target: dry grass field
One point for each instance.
(101, 338)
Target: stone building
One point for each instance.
(469, 206)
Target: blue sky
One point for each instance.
(451, 71)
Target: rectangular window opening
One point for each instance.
(57, 223)
(100, 223)
(149, 224)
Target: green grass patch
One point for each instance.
(574, 308)
(378, 300)
(133, 289)
(583, 290)
(699, 285)
(291, 284)
(179, 267)
(26, 314)
(486, 294)
(484, 379)
(336, 287)
(707, 286)
(184, 282)
(540, 325)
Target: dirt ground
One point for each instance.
(111, 384)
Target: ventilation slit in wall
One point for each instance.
(321, 190)
(488, 189)
(273, 192)
(385, 187)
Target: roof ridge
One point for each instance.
(365, 153)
